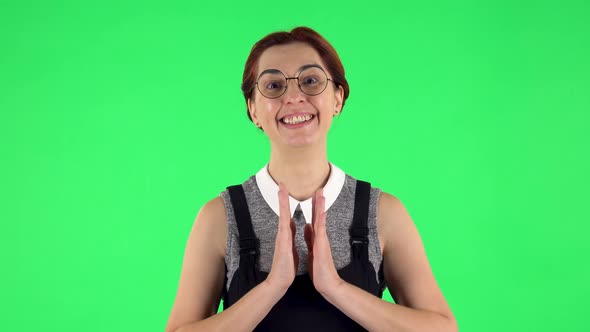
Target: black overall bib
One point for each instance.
(303, 308)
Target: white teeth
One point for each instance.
(297, 119)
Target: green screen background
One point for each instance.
(119, 121)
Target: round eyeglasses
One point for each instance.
(312, 80)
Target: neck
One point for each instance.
(302, 170)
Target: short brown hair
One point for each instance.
(299, 34)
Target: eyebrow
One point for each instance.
(276, 71)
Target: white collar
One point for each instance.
(270, 189)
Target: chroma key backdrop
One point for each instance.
(119, 120)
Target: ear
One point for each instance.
(252, 110)
(339, 95)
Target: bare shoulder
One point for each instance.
(387, 206)
(203, 268)
(212, 221)
(407, 272)
(214, 208)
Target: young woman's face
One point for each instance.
(275, 116)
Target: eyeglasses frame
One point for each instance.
(295, 78)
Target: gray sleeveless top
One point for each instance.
(265, 224)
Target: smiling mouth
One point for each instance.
(297, 119)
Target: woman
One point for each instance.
(302, 246)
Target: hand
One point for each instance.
(285, 260)
(321, 265)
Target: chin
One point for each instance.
(299, 144)
(302, 142)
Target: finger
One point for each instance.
(284, 209)
(313, 200)
(314, 208)
(308, 234)
(320, 224)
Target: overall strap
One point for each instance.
(248, 240)
(246, 274)
(359, 231)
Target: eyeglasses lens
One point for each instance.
(312, 81)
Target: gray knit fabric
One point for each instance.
(265, 224)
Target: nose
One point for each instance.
(293, 94)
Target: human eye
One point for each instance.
(273, 85)
(310, 80)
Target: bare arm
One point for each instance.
(420, 305)
(244, 315)
(201, 281)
